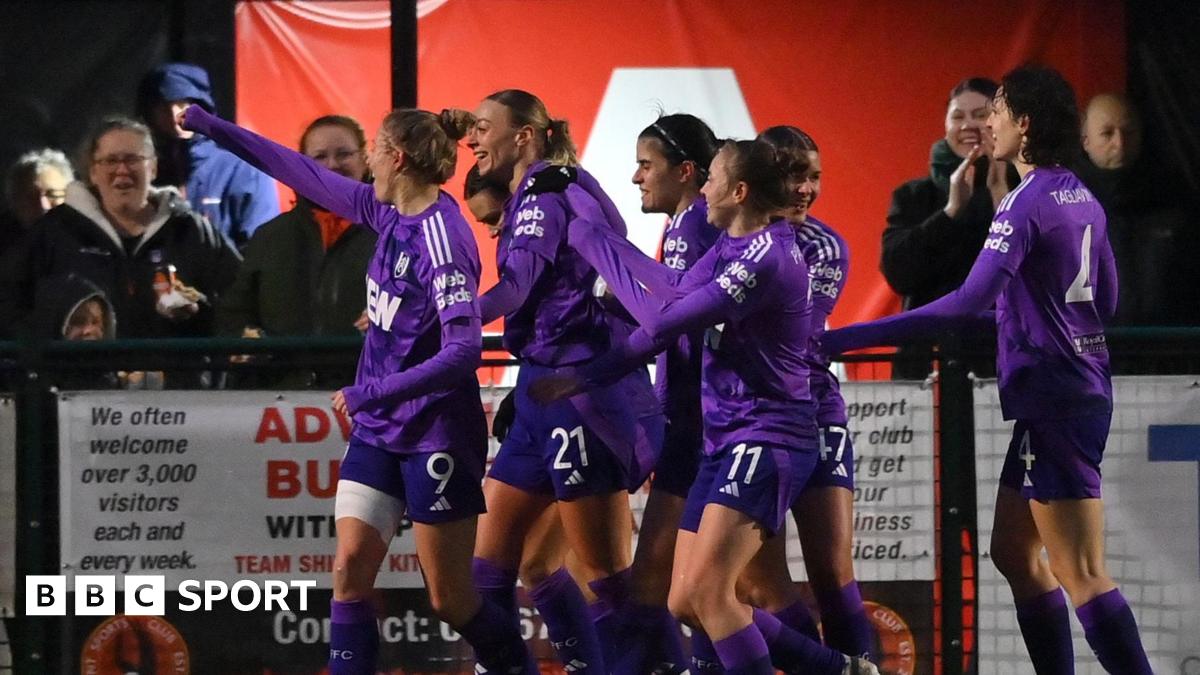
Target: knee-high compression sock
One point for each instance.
(704, 656)
(497, 642)
(497, 585)
(568, 623)
(1112, 632)
(650, 637)
(1045, 624)
(612, 596)
(353, 638)
(797, 617)
(745, 653)
(792, 652)
(847, 628)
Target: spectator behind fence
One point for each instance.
(936, 225)
(159, 263)
(305, 270)
(36, 183)
(69, 307)
(1145, 221)
(234, 196)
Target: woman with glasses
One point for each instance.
(117, 231)
(305, 270)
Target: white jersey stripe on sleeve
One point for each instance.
(443, 238)
(1007, 202)
(435, 255)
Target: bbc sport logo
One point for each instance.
(146, 595)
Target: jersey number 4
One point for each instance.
(1081, 290)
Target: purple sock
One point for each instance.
(568, 623)
(650, 636)
(704, 656)
(497, 642)
(1046, 626)
(797, 617)
(497, 585)
(1112, 632)
(607, 612)
(792, 652)
(353, 638)
(847, 628)
(745, 653)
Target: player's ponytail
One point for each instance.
(552, 135)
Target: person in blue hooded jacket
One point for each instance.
(234, 196)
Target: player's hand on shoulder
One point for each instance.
(552, 179)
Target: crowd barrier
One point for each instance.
(235, 487)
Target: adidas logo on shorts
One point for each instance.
(731, 489)
(575, 478)
(840, 470)
(440, 505)
(574, 666)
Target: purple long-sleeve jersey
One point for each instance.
(1048, 267)
(415, 390)
(828, 260)
(551, 317)
(751, 294)
(685, 240)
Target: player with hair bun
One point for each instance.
(824, 513)
(581, 455)
(419, 438)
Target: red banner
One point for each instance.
(297, 61)
(867, 79)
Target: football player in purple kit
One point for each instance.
(673, 155)
(751, 293)
(1048, 267)
(419, 442)
(824, 513)
(583, 454)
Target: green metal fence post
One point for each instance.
(956, 425)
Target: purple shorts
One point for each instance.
(1057, 459)
(683, 450)
(602, 441)
(758, 479)
(436, 487)
(835, 464)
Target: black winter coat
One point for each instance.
(77, 238)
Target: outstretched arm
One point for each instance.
(965, 304)
(615, 258)
(704, 307)
(350, 199)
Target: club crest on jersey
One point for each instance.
(401, 267)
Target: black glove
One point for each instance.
(552, 179)
(506, 412)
